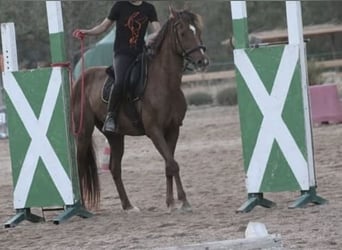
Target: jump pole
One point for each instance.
(42, 149)
(274, 112)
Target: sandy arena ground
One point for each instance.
(210, 157)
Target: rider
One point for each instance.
(131, 19)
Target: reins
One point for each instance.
(78, 131)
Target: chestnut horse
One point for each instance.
(162, 109)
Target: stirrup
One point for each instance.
(109, 125)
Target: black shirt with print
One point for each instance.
(131, 25)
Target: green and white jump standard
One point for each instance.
(41, 146)
(274, 112)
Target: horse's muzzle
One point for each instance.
(202, 63)
(197, 57)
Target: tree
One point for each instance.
(33, 39)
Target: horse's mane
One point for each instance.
(185, 15)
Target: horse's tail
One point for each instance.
(77, 106)
(86, 158)
(88, 175)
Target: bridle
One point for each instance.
(186, 53)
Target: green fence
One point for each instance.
(42, 148)
(274, 113)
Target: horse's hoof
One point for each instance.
(172, 208)
(186, 207)
(132, 210)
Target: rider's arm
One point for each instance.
(98, 29)
(155, 27)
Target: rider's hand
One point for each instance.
(78, 34)
(151, 39)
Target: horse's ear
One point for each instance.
(173, 13)
(187, 6)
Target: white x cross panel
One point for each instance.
(40, 146)
(273, 126)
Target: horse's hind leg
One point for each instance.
(117, 149)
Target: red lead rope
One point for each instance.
(76, 132)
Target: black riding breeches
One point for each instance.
(121, 64)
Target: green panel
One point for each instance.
(266, 62)
(250, 119)
(43, 192)
(57, 47)
(31, 84)
(293, 112)
(240, 28)
(278, 175)
(19, 139)
(56, 133)
(250, 114)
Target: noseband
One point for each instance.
(186, 53)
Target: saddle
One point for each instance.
(134, 87)
(135, 83)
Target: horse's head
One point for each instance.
(187, 28)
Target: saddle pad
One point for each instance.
(106, 89)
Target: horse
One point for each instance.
(162, 109)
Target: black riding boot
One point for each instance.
(113, 107)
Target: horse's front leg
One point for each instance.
(117, 149)
(166, 144)
(171, 137)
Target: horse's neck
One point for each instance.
(170, 62)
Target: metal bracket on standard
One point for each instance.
(23, 214)
(255, 199)
(308, 196)
(72, 210)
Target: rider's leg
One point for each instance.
(121, 64)
(112, 109)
